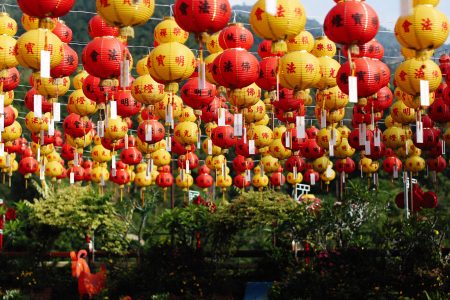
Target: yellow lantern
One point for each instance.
(212, 43)
(328, 176)
(409, 74)
(224, 181)
(299, 70)
(7, 51)
(321, 164)
(53, 169)
(141, 66)
(426, 28)
(344, 131)
(328, 69)
(100, 154)
(411, 101)
(184, 180)
(394, 137)
(278, 131)
(255, 112)
(125, 13)
(44, 149)
(415, 164)
(12, 132)
(326, 135)
(408, 149)
(116, 129)
(217, 162)
(8, 25)
(80, 104)
(51, 87)
(171, 62)
(261, 134)
(174, 101)
(169, 31)
(209, 60)
(161, 157)
(259, 180)
(369, 166)
(215, 150)
(323, 46)
(245, 97)
(30, 44)
(79, 142)
(12, 156)
(426, 2)
(30, 23)
(302, 41)
(292, 179)
(270, 163)
(344, 149)
(78, 79)
(34, 124)
(402, 114)
(142, 180)
(187, 114)
(99, 174)
(8, 97)
(277, 150)
(264, 121)
(289, 21)
(54, 156)
(186, 133)
(147, 91)
(209, 127)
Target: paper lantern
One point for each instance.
(63, 31)
(76, 126)
(116, 129)
(425, 28)
(302, 41)
(329, 69)
(255, 112)
(267, 79)
(223, 136)
(171, 62)
(372, 49)
(8, 52)
(102, 57)
(196, 97)
(157, 131)
(44, 9)
(289, 21)
(235, 68)
(81, 105)
(261, 134)
(8, 25)
(99, 90)
(235, 35)
(169, 31)
(323, 46)
(97, 26)
(30, 44)
(9, 79)
(127, 106)
(68, 64)
(186, 133)
(147, 91)
(265, 50)
(351, 22)
(125, 13)
(50, 87)
(245, 97)
(202, 16)
(331, 99)
(212, 43)
(299, 70)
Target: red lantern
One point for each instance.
(310, 173)
(265, 49)
(437, 164)
(164, 179)
(311, 149)
(430, 139)
(435, 151)
(390, 163)
(429, 200)
(113, 145)
(151, 131)
(235, 35)
(295, 161)
(353, 138)
(121, 178)
(223, 136)
(102, 56)
(240, 181)
(76, 126)
(191, 157)
(267, 79)
(46, 9)
(204, 180)
(242, 164)
(290, 116)
(295, 143)
(346, 165)
(97, 26)
(210, 112)
(288, 100)
(94, 89)
(131, 156)
(178, 148)
(376, 152)
(235, 68)
(381, 101)
(68, 152)
(68, 64)
(8, 116)
(202, 15)
(372, 49)
(63, 32)
(195, 97)
(16, 146)
(242, 148)
(369, 76)
(277, 178)
(45, 140)
(28, 165)
(351, 22)
(127, 106)
(10, 79)
(311, 132)
(78, 173)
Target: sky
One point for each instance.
(388, 10)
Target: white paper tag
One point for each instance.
(406, 148)
(8, 160)
(312, 178)
(271, 7)
(330, 149)
(224, 168)
(377, 138)
(362, 134)
(261, 170)
(443, 147)
(51, 127)
(300, 126)
(100, 128)
(419, 132)
(248, 175)
(45, 64)
(38, 154)
(114, 172)
(148, 133)
(210, 147)
(169, 114)
(2, 149)
(75, 159)
(57, 111)
(168, 144)
(37, 108)
(238, 124)
(199, 139)
(113, 109)
(201, 75)
(2, 104)
(245, 135)
(125, 73)
(343, 176)
(251, 147)
(150, 167)
(424, 93)
(333, 137)
(221, 117)
(329, 171)
(72, 178)
(395, 171)
(323, 118)
(405, 7)
(126, 140)
(2, 123)
(295, 172)
(287, 139)
(367, 147)
(187, 166)
(113, 162)
(102, 180)
(41, 138)
(352, 89)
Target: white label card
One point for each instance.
(51, 127)
(113, 162)
(72, 178)
(45, 64)
(424, 93)
(352, 89)
(37, 108)
(312, 178)
(238, 120)
(113, 109)
(330, 149)
(210, 147)
(251, 147)
(201, 76)
(271, 7)
(2, 149)
(419, 132)
(377, 138)
(168, 144)
(2, 104)
(362, 134)
(300, 124)
(367, 147)
(405, 7)
(221, 117)
(148, 133)
(57, 111)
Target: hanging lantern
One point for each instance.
(8, 25)
(99, 90)
(76, 126)
(199, 16)
(212, 43)
(7, 52)
(127, 106)
(45, 9)
(197, 97)
(245, 97)
(287, 22)
(147, 91)
(302, 41)
(235, 68)
(78, 103)
(63, 32)
(267, 79)
(235, 35)
(68, 64)
(50, 87)
(186, 133)
(299, 70)
(169, 31)
(323, 46)
(97, 26)
(223, 137)
(351, 22)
